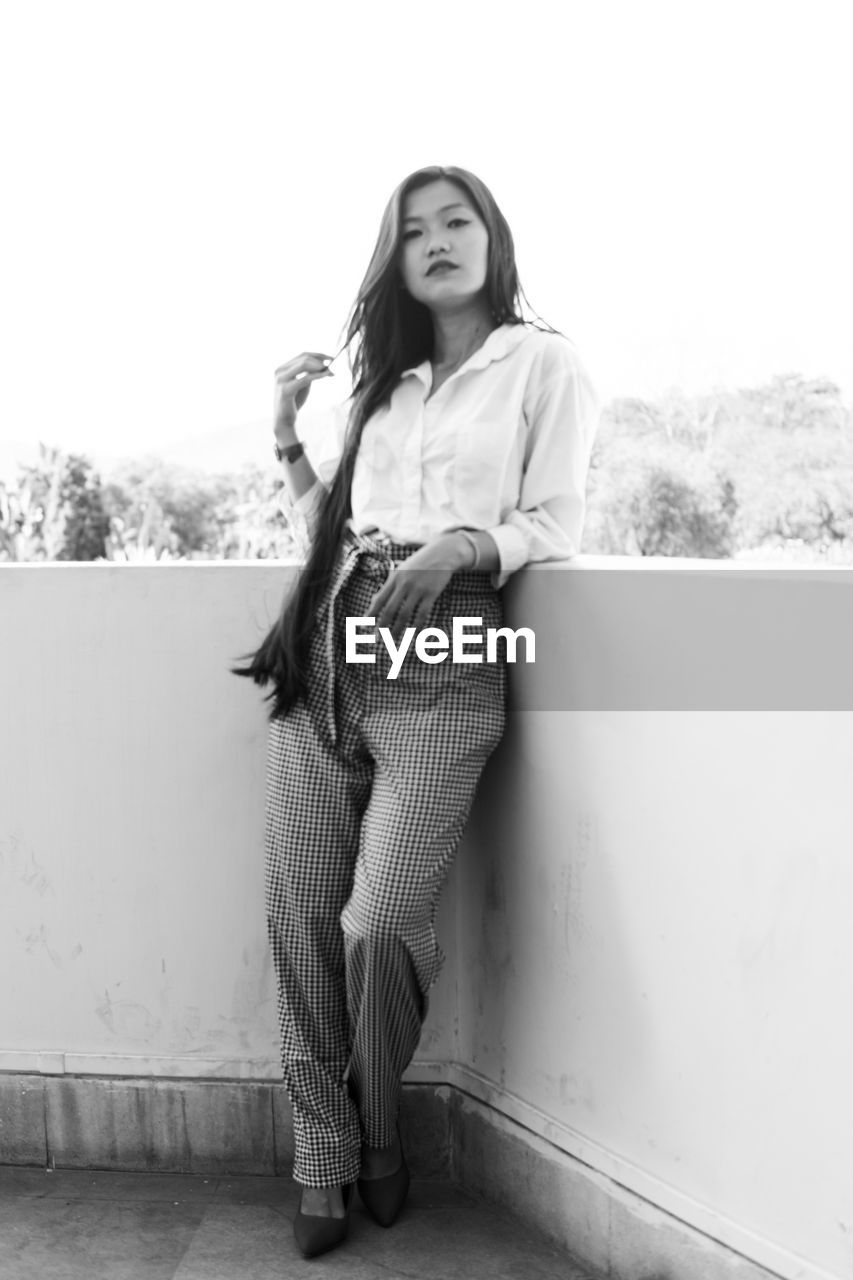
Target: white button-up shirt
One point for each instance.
(504, 445)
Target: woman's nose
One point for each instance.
(437, 243)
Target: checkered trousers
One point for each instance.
(369, 786)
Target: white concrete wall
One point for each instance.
(650, 961)
(656, 957)
(132, 921)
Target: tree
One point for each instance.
(257, 527)
(220, 517)
(789, 401)
(55, 511)
(87, 523)
(32, 526)
(734, 472)
(784, 449)
(670, 517)
(188, 505)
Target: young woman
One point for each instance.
(464, 457)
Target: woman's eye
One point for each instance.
(453, 222)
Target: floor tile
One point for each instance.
(56, 1239)
(16, 1180)
(90, 1225)
(96, 1184)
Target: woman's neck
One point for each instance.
(458, 336)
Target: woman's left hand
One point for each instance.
(412, 588)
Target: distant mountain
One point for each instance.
(227, 449)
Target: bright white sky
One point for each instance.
(193, 190)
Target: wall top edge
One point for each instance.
(579, 564)
(94, 566)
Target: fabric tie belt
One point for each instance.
(371, 553)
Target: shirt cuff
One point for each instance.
(512, 551)
(306, 503)
(301, 515)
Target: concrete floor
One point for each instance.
(84, 1225)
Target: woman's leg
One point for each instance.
(428, 758)
(314, 804)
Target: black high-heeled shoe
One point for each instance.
(383, 1198)
(316, 1234)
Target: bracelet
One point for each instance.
(468, 538)
(291, 453)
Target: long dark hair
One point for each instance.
(387, 331)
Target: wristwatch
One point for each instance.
(291, 453)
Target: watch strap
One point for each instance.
(291, 453)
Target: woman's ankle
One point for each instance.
(378, 1162)
(322, 1202)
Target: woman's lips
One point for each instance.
(441, 268)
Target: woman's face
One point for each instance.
(440, 225)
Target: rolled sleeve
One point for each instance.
(562, 412)
(323, 436)
(512, 544)
(301, 515)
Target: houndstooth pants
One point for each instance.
(369, 785)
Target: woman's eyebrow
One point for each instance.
(456, 205)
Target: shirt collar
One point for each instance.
(499, 343)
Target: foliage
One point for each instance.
(148, 542)
(669, 517)
(257, 528)
(745, 473)
(190, 514)
(86, 522)
(55, 512)
(30, 528)
(757, 472)
(180, 510)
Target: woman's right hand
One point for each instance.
(292, 383)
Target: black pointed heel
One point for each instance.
(315, 1234)
(383, 1198)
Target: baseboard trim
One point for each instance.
(179, 1125)
(457, 1124)
(604, 1224)
(508, 1112)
